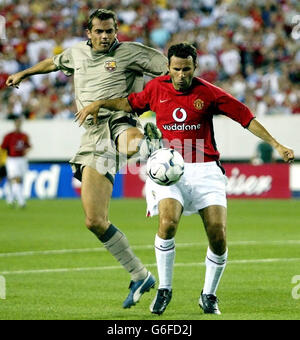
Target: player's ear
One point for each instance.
(88, 33)
(196, 66)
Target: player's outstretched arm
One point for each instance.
(259, 130)
(118, 104)
(44, 66)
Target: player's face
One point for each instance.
(102, 35)
(181, 71)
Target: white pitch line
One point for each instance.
(192, 264)
(142, 247)
(52, 252)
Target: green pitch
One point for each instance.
(55, 269)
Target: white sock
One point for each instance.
(215, 266)
(165, 256)
(17, 190)
(8, 193)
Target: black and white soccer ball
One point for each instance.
(165, 166)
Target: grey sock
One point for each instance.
(117, 244)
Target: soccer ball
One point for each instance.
(165, 166)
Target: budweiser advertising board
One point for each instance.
(258, 181)
(244, 181)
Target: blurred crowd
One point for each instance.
(248, 47)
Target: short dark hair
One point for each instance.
(183, 50)
(102, 14)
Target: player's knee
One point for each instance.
(167, 228)
(96, 224)
(217, 237)
(133, 145)
(128, 142)
(217, 227)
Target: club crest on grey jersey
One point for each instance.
(110, 65)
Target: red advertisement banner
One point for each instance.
(258, 181)
(244, 181)
(134, 181)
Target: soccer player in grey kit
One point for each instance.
(104, 68)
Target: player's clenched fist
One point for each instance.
(15, 79)
(286, 153)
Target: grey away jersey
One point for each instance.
(110, 75)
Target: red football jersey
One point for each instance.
(15, 143)
(186, 118)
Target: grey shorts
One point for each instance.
(98, 144)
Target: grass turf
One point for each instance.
(78, 279)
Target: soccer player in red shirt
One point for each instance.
(17, 145)
(184, 107)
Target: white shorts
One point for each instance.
(202, 185)
(16, 167)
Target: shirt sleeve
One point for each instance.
(148, 61)
(64, 62)
(145, 100)
(229, 106)
(139, 102)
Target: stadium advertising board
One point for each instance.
(51, 180)
(244, 181)
(258, 181)
(47, 181)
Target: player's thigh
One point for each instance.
(96, 192)
(12, 168)
(170, 211)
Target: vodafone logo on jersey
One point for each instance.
(180, 116)
(182, 113)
